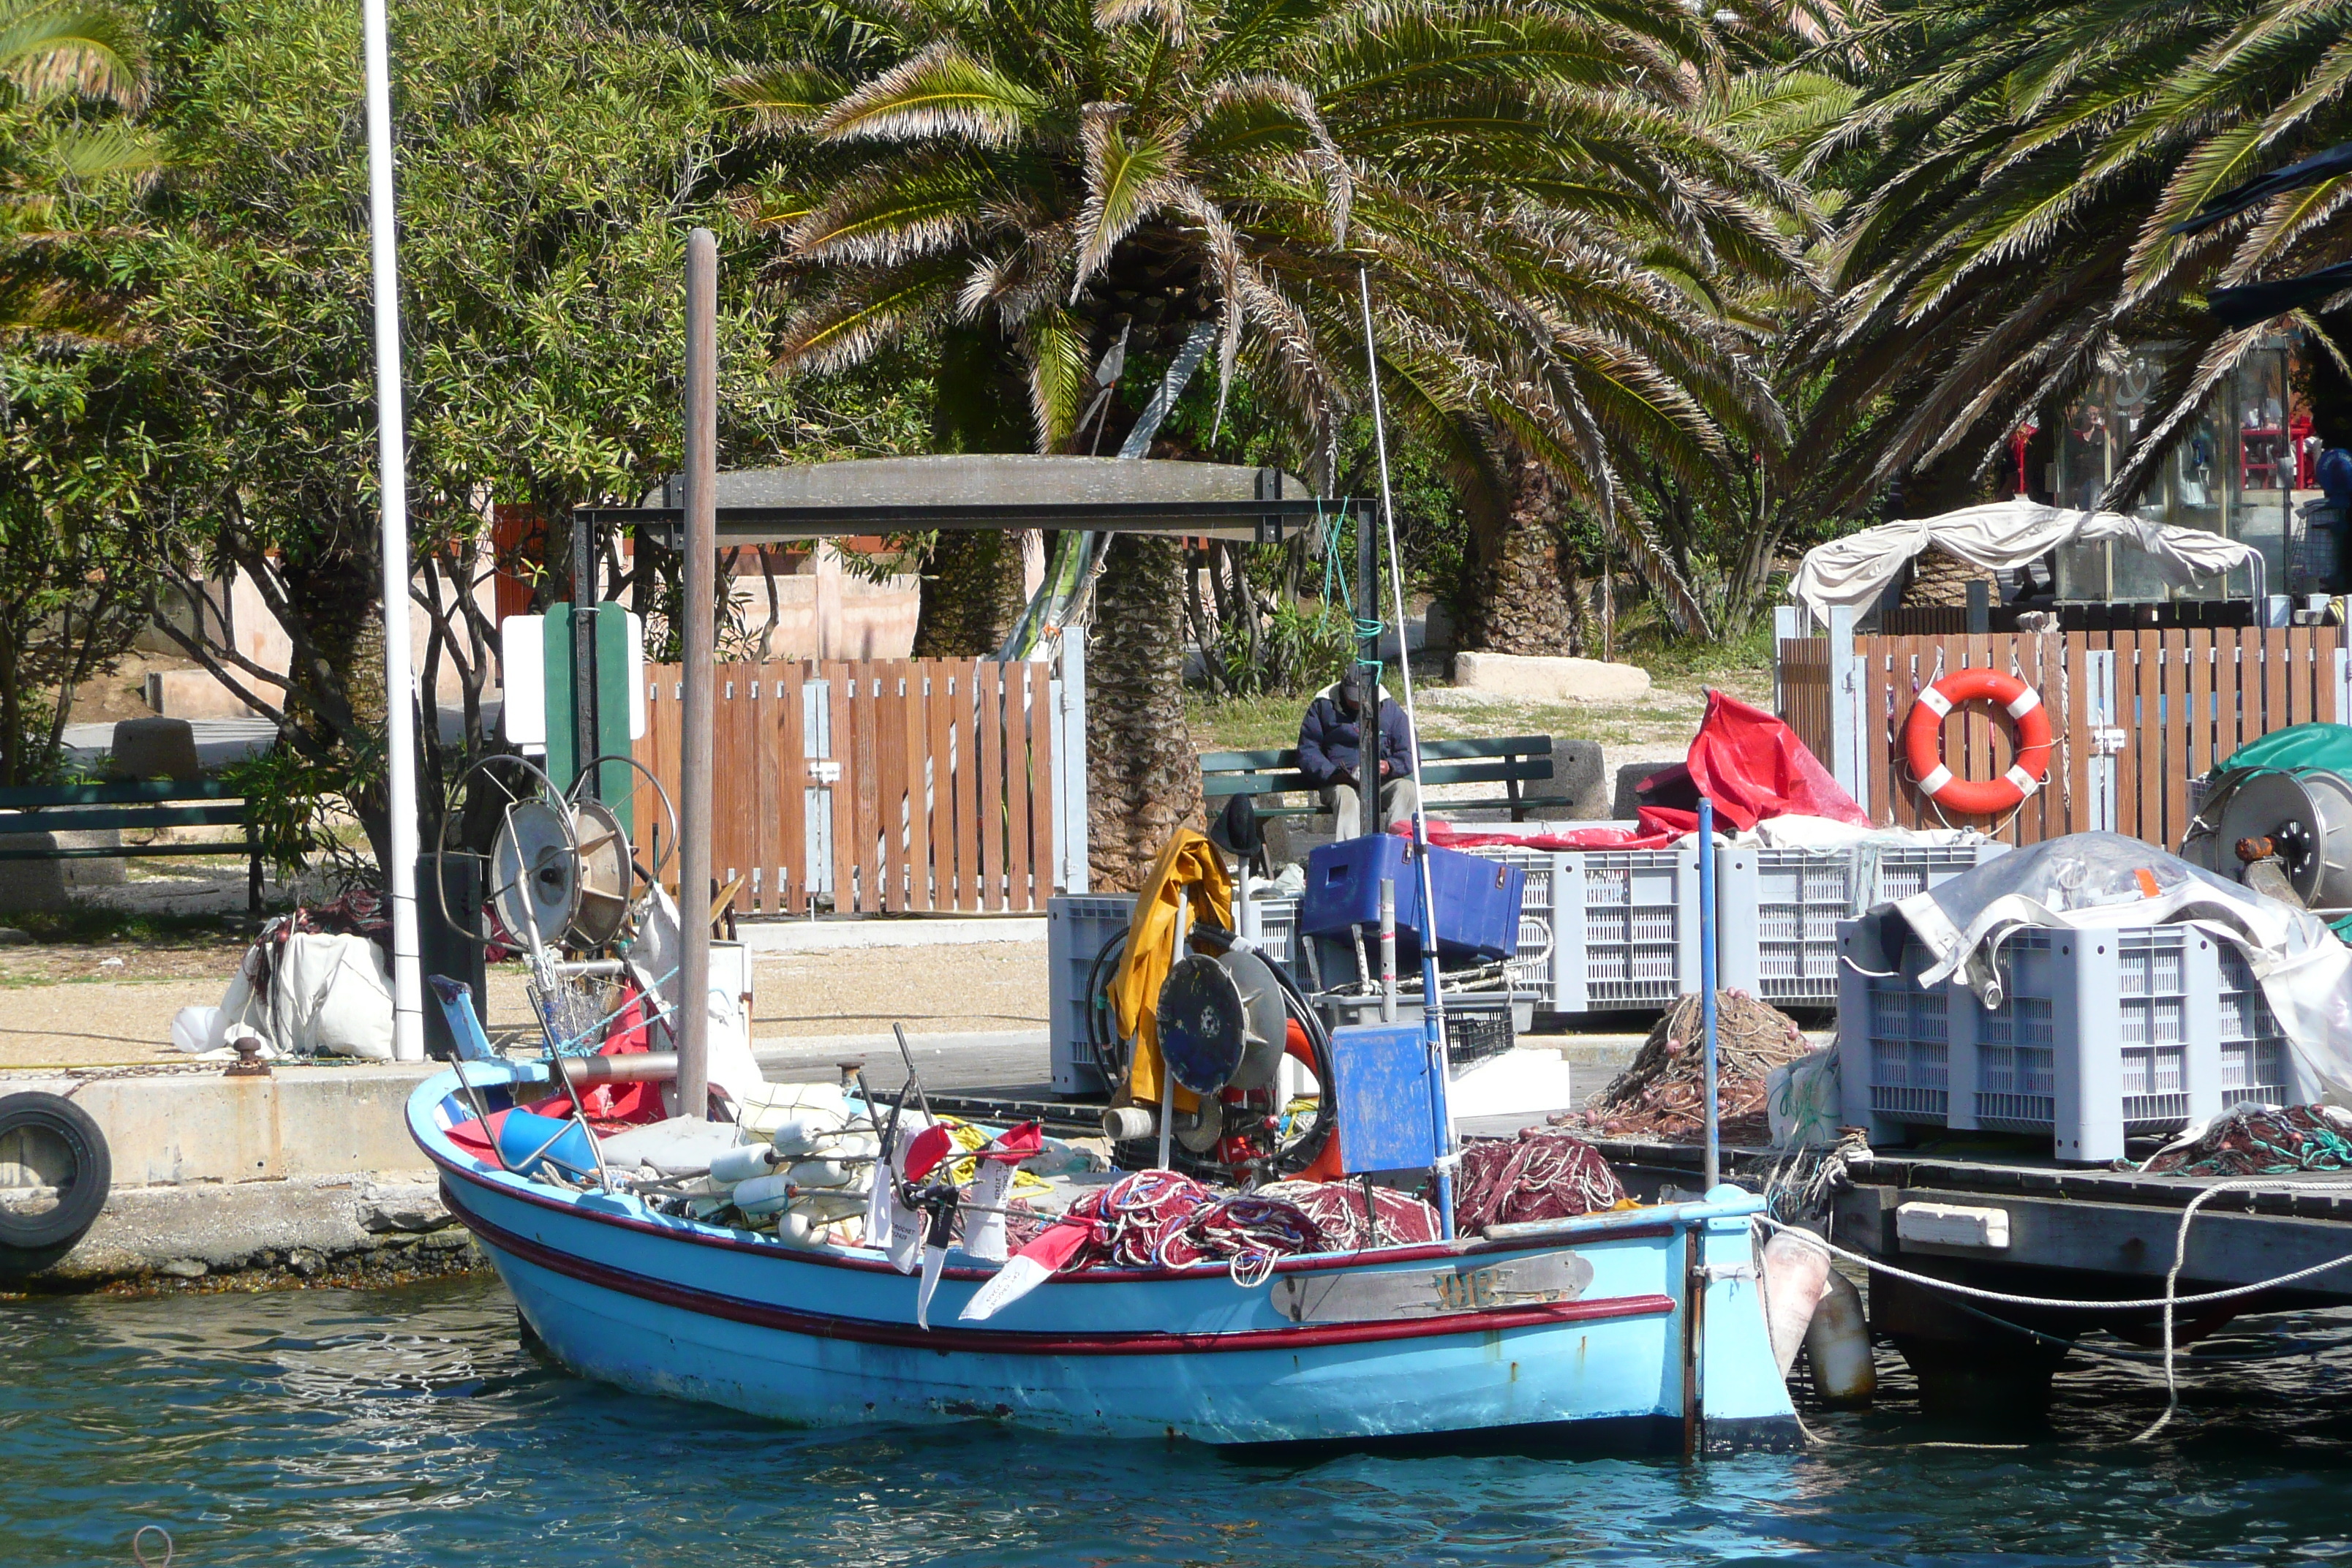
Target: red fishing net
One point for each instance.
(1541, 1175)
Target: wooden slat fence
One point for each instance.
(886, 786)
(2183, 699)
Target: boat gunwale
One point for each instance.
(1637, 1224)
(1032, 1341)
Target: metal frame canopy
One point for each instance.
(978, 492)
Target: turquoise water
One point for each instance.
(410, 1428)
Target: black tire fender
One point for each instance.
(83, 1195)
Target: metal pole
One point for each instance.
(1388, 949)
(392, 457)
(1367, 662)
(584, 656)
(698, 718)
(1714, 1167)
(1432, 998)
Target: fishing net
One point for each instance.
(2252, 1140)
(1662, 1092)
(1542, 1174)
(1160, 1219)
(1337, 1210)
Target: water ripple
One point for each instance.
(409, 1427)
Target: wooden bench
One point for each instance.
(144, 803)
(1510, 762)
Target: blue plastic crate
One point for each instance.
(1477, 900)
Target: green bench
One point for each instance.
(1510, 762)
(143, 803)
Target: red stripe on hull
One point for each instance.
(1432, 1251)
(1007, 1341)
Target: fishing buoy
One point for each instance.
(802, 1134)
(745, 1162)
(796, 1230)
(1838, 1345)
(1796, 1273)
(764, 1195)
(820, 1173)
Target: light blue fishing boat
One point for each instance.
(1632, 1330)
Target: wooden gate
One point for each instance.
(2137, 714)
(879, 785)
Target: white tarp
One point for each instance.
(327, 995)
(728, 1058)
(2103, 880)
(1999, 537)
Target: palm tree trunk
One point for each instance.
(1143, 778)
(972, 595)
(1527, 599)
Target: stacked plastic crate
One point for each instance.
(1780, 908)
(2100, 1034)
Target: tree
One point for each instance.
(1539, 217)
(72, 443)
(2016, 168)
(551, 159)
(68, 74)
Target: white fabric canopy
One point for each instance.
(2004, 536)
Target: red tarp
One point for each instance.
(1749, 763)
(1754, 767)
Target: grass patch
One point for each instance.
(91, 926)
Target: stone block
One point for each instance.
(1624, 805)
(155, 748)
(31, 885)
(1550, 680)
(1290, 839)
(1578, 789)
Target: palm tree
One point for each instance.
(55, 59)
(1544, 226)
(2017, 166)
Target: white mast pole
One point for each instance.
(392, 441)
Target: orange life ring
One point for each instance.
(1923, 742)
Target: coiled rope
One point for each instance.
(2169, 1303)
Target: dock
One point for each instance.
(2028, 1227)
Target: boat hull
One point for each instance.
(667, 1306)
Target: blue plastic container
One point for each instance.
(1477, 900)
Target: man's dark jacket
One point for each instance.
(1331, 742)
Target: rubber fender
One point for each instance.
(1796, 1274)
(59, 1122)
(1838, 1344)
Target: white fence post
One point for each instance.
(1848, 723)
(1069, 703)
(2099, 683)
(2343, 686)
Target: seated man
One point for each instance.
(1330, 754)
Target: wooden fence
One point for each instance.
(885, 785)
(2137, 714)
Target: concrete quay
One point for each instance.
(308, 1176)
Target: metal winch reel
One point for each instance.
(1221, 1026)
(2287, 833)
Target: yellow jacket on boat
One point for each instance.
(1189, 866)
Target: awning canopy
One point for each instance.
(1856, 570)
(990, 490)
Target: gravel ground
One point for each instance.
(110, 1003)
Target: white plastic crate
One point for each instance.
(2100, 1034)
(1779, 909)
(1276, 921)
(1633, 945)
(1078, 925)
